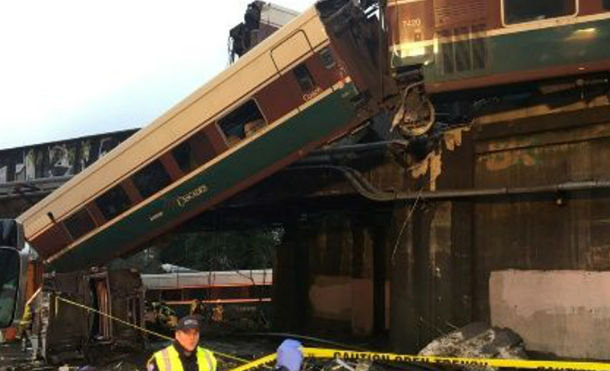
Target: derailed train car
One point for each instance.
(456, 56)
(65, 331)
(290, 94)
(472, 44)
(470, 50)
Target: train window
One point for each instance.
(79, 223)
(606, 4)
(151, 179)
(479, 47)
(242, 122)
(462, 50)
(326, 56)
(113, 202)
(519, 11)
(446, 47)
(185, 157)
(193, 152)
(304, 78)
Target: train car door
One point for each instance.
(101, 327)
(290, 50)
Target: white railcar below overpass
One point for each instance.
(223, 287)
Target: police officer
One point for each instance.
(184, 354)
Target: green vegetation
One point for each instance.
(209, 251)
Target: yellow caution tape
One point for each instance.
(443, 361)
(454, 361)
(33, 296)
(257, 363)
(76, 304)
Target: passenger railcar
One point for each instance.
(287, 96)
(469, 44)
(222, 287)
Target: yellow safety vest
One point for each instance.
(168, 359)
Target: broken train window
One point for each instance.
(242, 122)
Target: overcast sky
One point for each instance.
(70, 68)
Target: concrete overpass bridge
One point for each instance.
(29, 173)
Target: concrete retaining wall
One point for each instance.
(563, 312)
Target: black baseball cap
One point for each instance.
(189, 322)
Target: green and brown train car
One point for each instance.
(289, 95)
(471, 44)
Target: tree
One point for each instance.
(217, 251)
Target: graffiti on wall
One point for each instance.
(58, 159)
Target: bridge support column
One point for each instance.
(431, 268)
(291, 281)
(331, 275)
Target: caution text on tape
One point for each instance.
(325, 353)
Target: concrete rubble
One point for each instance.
(478, 340)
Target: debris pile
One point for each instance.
(478, 340)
